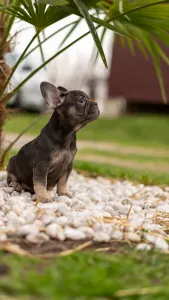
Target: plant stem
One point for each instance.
(5, 152)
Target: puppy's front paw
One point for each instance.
(17, 186)
(43, 199)
(66, 194)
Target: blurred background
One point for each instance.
(129, 85)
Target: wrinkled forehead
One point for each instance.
(75, 95)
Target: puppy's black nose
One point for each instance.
(94, 103)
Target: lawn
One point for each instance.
(140, 130)
(86, 275)
(112, 171)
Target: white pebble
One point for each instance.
(8, 189)
(115, 205)
(62, 221)
(150, 238)
(88, 231)
(51, 205)
(126, 201)
(117, 235)
(137, 209)
(55, 231)
(101, 237)
(143, 247)
(64, 199)
(38, 238)
(27, 229)
(136, 222)
(3, 237)
(47, 219)
(63, 208)
(161, 244)
(74, 234)
(163, 208)
(2, 202)
(133, 237)
(110, 210)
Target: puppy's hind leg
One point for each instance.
(12, 179)
(62, 183)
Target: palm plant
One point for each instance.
(141, 23)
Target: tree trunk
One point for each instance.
(4, 73)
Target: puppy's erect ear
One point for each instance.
(62, 89)
(53, 96)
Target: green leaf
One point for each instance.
(55, 2)
(74, 26)
(83, 10)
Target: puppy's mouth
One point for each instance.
(93, 111)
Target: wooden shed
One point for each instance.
(134, 77)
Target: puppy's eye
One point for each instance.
(81, 100)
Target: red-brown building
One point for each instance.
(134, 77)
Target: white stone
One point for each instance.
(55, 231)
(133, 237)
(47, 219)
(74, 234)
(100, 236)
(136, 222)
(3, 237)
(39, 224)
(2, 202)
(64, 199)
(5, 208)
(27, 195)
(18, 209)
(106, 228)
(110, 210)
(163, 208)
(2, 214)
(38, 238)
(116, 206)
(161, 244)
(11, 215)
(51, 205)
(27, 229)
(62, 221)
(125, 211)
(16, 200)
(136, 209)
(3, 175)
(88, 231)
(8, 189)
(150, 238)
(117, 235)
(63, 208)
(143, 247)
(126, 201)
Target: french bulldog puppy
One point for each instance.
(47, 161)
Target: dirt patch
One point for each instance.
(67, 247)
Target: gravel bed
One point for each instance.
(98, 210)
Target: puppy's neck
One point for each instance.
(60, 130)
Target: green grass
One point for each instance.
(113, 171)
(86, 276)
(125, 156)
(107, 170)
(149, 130)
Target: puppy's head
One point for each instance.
(74, 106)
